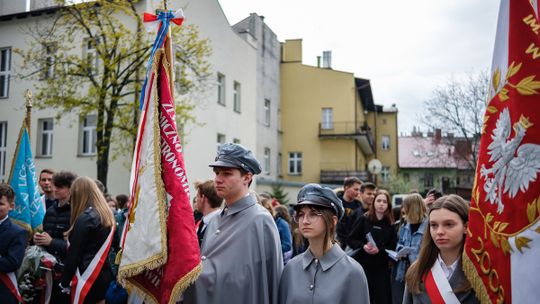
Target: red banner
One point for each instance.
(503, 240)
(165, 283)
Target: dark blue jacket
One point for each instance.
(13, 240)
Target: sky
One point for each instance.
(406, 48)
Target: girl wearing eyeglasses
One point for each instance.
(323, 273)
(437, 275)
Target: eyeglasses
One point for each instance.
(311, 216)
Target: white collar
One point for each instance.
(206, 219)
(448, 270)
(4, 219)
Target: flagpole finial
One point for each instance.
(28, 97)
(28, 118)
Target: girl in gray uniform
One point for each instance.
(323, 273)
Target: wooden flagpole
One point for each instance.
(27, 121)
(169, 55)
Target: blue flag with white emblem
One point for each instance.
(29, 208)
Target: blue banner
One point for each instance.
(29, 209)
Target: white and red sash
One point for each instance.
(81, 284)
(10, 281)
(437, 286)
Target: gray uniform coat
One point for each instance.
(335, 278)
(468, 297)
(241, 257)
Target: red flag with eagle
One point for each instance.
(502, 249)
(160, 256)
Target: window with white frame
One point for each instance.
(385, 174)
(91, 55)
(236, 140)
(385, 142)
(88, 135)
(267, 112)
(220, 140)
(295, 163)
(48, 68)
(267, 161)
(237, 96)
(327, 118)
(5, 70)
(221, 89)
(45, 137)
(3, 150)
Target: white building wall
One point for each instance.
(236, 59)
(268, 88)
(231, 56)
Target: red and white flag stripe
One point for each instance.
(438, 287)
(81, 283)
(10, 281)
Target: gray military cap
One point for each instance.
(314, 194)
(236, 156)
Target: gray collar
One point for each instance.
(241, 204)
(328, 260)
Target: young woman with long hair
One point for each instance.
(90, 237)
(410, 235)
(378, 222)
(437, 275)
(323, 273)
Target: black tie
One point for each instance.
(200, 232)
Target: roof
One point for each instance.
(426, 152)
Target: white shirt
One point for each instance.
(206, 219)
(448, 270)
(3, 220)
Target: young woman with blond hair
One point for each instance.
(437, 275)
(87, 273)
(410, 235)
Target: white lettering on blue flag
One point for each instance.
(29, 208)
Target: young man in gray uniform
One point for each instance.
(241, 253)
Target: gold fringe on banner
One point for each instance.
(473, 277)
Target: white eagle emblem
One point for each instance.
(515, 165)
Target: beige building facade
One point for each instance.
(330, 123)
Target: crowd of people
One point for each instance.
(346, 245)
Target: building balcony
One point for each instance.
(336, 177)
(359, 131)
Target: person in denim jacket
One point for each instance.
(410, 235)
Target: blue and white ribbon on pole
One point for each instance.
(162, 20)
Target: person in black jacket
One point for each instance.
(55, 224)
(378, 222)
(351, 189)
(92, 227)
(12, 245)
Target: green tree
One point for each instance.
(105, 79)
(396, 185)
(279, 194)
